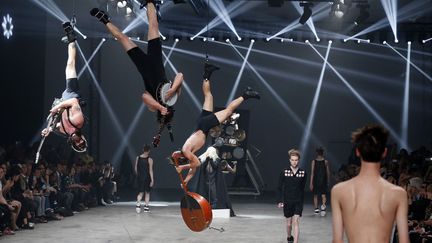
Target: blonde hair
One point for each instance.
(211, 153)
(294, 152)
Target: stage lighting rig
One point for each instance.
(307, 12)
(364, 13)
(340, 8)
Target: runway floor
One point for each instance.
(255, 222)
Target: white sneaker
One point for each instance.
(323, 207)
(138, 208)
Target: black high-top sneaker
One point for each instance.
(208, 70)
(100, 15)
(70, 33)
(249, 93)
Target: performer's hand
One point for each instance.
(151, 183)
(169, 94)
(280, 205)
(46, 132)
(163, 110)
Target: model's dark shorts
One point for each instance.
(206, 121)
(72, 89)
(143, 184)
(292, 208)
(150, 65)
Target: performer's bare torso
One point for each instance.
(75, 116)
(195, 141)
(369, 209)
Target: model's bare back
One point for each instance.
(368, 208)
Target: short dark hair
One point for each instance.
(320, 151)
(370, 141)
(146, 148)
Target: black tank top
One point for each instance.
(320, 172)
(143, 170)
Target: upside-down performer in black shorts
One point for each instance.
(150, 64)
(207, 120)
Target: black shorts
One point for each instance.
(150, 65)
(72, 89)
(292, 208)
(320, 188)
(206, 121)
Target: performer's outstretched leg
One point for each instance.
(227, 112)
(116, 32)
(153, 31)
(70, 65)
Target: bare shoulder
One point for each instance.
(341, 187)
(394, 190)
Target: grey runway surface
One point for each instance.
(255, 222)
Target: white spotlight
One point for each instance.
(423, 41)
(306, 41)
(396, 41)
(252, 40)
(281, 39)
(368, 40)
(84, 37)
(176, 39)
(128, 11)
(384, 42)
(318, 39)
(330, 41)
(345, 40)
(227, 40)
(358, 41)
(409, 42)
(267, 39)
(239, 38)
(121, 4)
(138, 38)
(204, 39)
(191, 38)
(103, 39)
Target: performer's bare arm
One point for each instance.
(176, 86)
(65, 104)
(150, 161)
(136, 166)
(402, 217)
(312, 175)
(337, 216)
(152, 104)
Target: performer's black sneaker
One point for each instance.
(248, 93)
(290, 239)
(146, 208)
(317, 211)
(70, 33)
(208, 70)
(100, 15)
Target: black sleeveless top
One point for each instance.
(143, 169)
(320, 172)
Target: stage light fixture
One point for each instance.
(227, 40)
(396, 41)
(252, 40)
(121, 4)
(340, 8)
(239, 38)
(307, 12)
(364, 13)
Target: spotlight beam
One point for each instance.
(405, 111)
(170, 52)
(219, 8)
(412, 64)
(51, 7)
(279, 99)
(309, 22)
(311, 117)
(233, 10)
(317, 13)
(360, 98)
(240, 74)
(105, 101)
(91, 57)
(414, 8)
(390, 8)
(132, 126)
